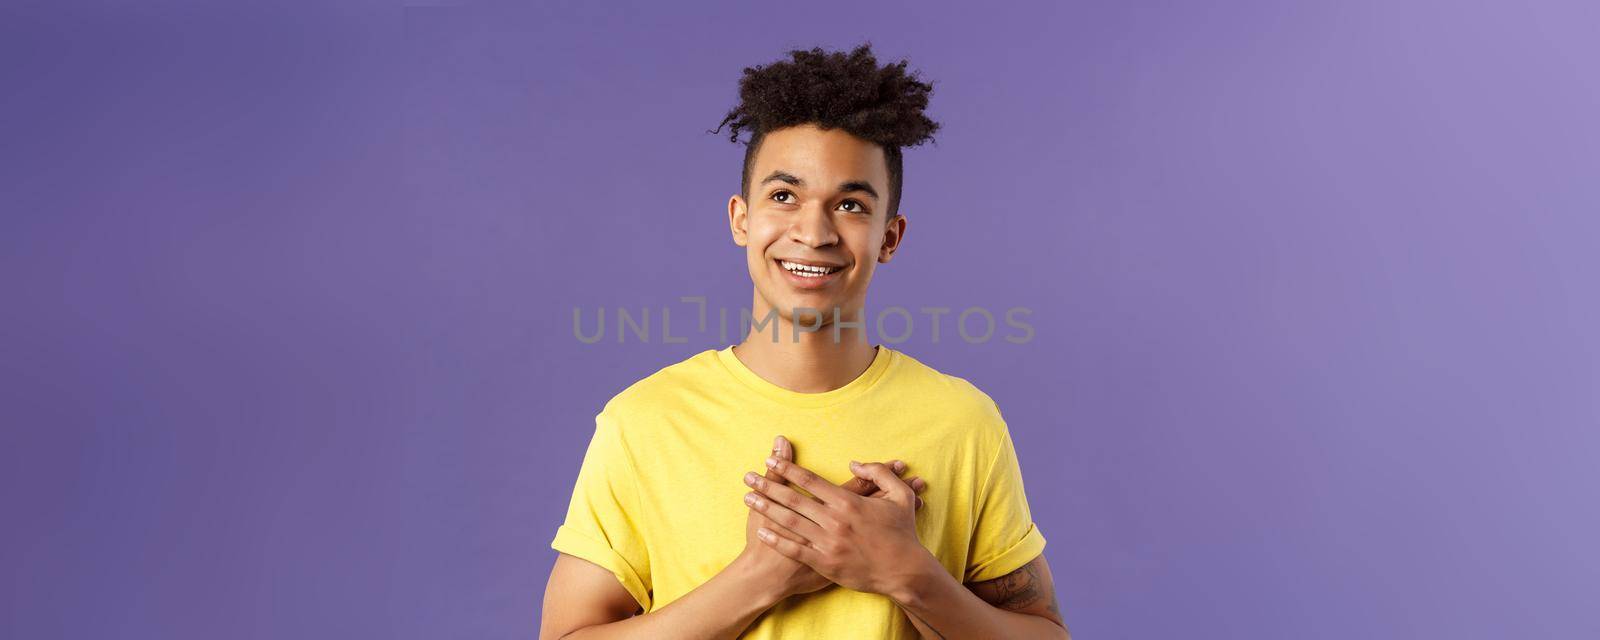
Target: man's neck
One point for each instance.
(814, 363)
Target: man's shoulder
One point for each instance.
(665, 385)
(972, 415)
(948, 392)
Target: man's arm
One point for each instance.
(1020, 604)
(584, 601)
(1029, 590)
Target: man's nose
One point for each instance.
(813, 227)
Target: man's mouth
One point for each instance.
(808, 270)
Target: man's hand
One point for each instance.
(866, 543)
(794, 576)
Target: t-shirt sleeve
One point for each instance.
(602, 523)
(1004, 537)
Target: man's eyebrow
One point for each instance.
(844, 187)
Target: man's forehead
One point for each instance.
(812, 163)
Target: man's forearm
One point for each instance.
(719, 609)
(941, 608)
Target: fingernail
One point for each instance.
(749, 499)
(749, 477)
(772, 463)
(855, 465)
(765, 535)
(899, 466)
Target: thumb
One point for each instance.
(864, 487)
(880, 474)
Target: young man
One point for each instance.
(676, 516)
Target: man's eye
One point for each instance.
(782, 193)
(857, 205)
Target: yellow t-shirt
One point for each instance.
(659, 497)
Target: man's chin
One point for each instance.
(789, 304)
(800, 311)
(806, 314)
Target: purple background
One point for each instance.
(287, 341)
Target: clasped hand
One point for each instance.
(862, 542)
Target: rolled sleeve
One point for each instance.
(575, 543)
(1004, 536)
(602, 522)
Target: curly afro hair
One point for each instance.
(834, 90)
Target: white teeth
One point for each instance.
(806, 270)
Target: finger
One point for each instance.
(783, 450)
(858, 486)
(916, 483)
(790, 548)
(802, 477)
(785, 517)
(788, 497)
(763, 521)
(863, 486)
(881, 494)
(894, 488)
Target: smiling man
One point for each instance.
(725, 496)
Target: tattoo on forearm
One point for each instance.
(1021, 589)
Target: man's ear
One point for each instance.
(738, 220)
(893, 233)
